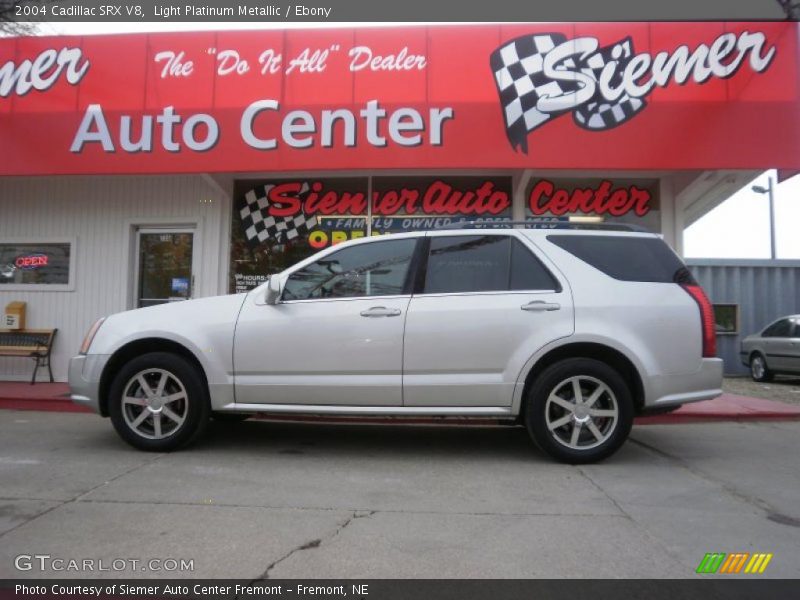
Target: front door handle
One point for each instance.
(380, 311)
(540, 305)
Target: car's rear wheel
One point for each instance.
(158, 402)
(758, 369)
(579, 410)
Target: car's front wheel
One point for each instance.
(158, 402)
(579, 410)
(758, 369)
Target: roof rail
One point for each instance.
(588, 225)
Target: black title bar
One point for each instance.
(255, 11)
(708, 588)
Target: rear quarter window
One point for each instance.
(626, 258)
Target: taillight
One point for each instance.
(706, 319)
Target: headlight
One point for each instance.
(87, 341)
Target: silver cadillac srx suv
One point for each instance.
(569, 332)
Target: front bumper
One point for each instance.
(673, 390)
(743, 356)
(85, 371)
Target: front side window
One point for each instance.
(780, 328)
(483, 263)
(374, 269)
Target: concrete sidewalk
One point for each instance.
(269, 500)
(728, 407)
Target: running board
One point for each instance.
(381, 411)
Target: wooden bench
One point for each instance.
(29, 343)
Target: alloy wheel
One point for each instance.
(757, 367)
(154, 404)
(581, 412)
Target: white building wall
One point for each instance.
(101, 213)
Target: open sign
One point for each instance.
(28, 262)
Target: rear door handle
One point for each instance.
(540, 305)
(380, 311)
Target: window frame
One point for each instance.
(407, 284)
(737, 318)
(44, 287)
(419, 283)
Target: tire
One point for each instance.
(758, 369)
(230, 417)
(551, 416)
(165, 426)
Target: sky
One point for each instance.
(737, 228)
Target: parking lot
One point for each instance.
(785, 388)
(264, 500)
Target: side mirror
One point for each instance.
(273, 291)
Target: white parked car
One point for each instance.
(568, 332)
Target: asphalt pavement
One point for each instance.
(261, 500)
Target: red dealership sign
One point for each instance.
(584, 95)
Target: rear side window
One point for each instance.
(527, 273)
(627, 258)
(483, 263)
(782, 328)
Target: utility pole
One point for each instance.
(769, 191)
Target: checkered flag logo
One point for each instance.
(599, 113)
(260, 225)
(518, 68)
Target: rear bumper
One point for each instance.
(84, 379)
(673, 390)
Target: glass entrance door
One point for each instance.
(164, 270)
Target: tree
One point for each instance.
(792, 9)
(9, 25)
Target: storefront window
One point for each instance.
(277, 223)
(35, 264)
(402, 203)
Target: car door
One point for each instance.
(778, 345)
(336, 335)
(483, 306)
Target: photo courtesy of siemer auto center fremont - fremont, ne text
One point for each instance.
(387, 301)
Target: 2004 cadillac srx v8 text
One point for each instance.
(570, 332)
